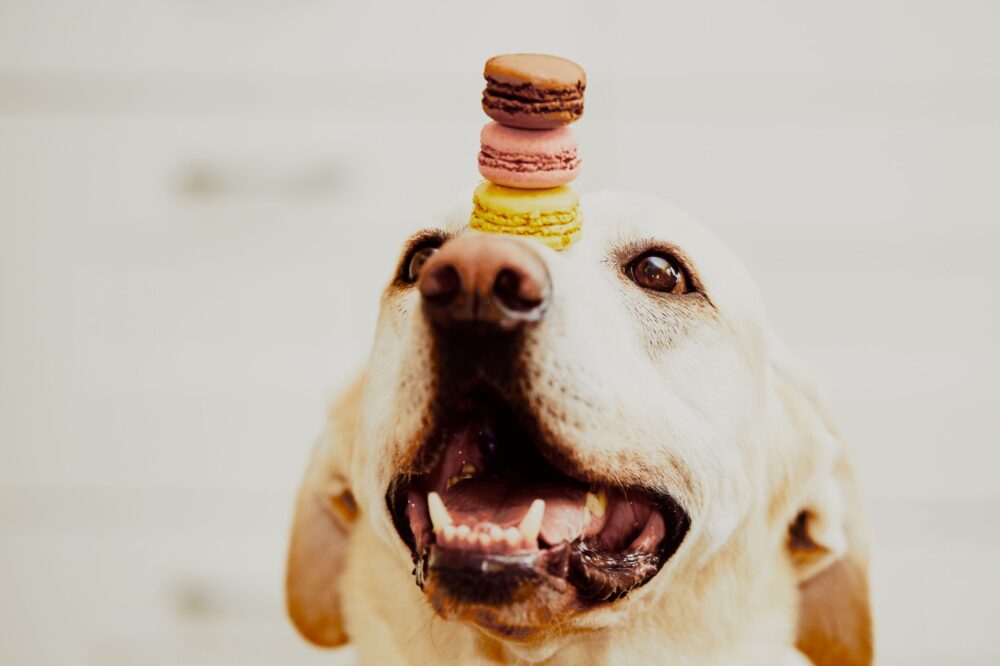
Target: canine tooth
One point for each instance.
(531, 524)
(597, 504)
(439, 514)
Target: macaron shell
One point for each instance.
(538, 69)
(558, 238)
(529, 180)
(513, 140)
(514, 202)
(528, 158)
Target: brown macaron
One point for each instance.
(533, 91)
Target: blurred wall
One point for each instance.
(200, 201)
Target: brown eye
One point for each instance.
(657, 271)
(417, 261)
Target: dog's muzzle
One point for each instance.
(504, 530)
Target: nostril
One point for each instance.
(440, 284)
(508, 289)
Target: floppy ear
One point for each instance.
(828, 542)
(324, 513)
(835, 626)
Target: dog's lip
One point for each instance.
(602, 557)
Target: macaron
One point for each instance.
(552, 215)
(533, 91)
(528, 158)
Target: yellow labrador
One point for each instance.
(596, 456)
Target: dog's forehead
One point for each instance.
(622, 216)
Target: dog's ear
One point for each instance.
(324, 513)
(835, 626)
(827, 539)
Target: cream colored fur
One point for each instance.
(698, 400)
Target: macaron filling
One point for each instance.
(513, 106)
(566, 160)
(531, 92)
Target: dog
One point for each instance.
(595, 456)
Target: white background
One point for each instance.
(200, 200)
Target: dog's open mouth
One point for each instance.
(487, 514)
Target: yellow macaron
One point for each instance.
(552, 215)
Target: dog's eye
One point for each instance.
(658, 271)
(417, 260)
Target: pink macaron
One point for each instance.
(529, 159)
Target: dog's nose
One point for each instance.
(490, 281)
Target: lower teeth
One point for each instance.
(492, 538)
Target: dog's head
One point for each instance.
(562, 441)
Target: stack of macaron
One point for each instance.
(528, 154)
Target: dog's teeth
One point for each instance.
(439, 514)
(496, 532)
(467, 472)
(462, 531)
(485, 540)
(597, 504)
(531, 524)
(449, 532)
(513, 537)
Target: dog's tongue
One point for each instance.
(497, 501)
(474, 496)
